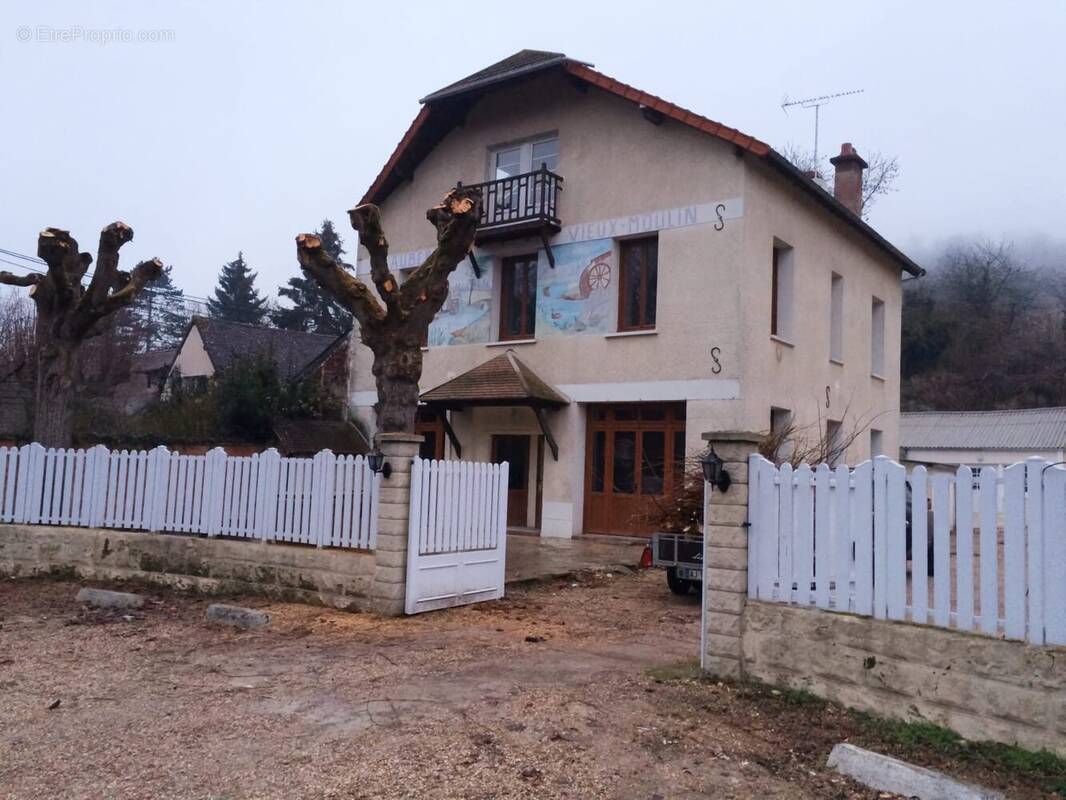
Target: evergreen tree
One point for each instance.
(313, 309)
(236, 298)
(158, 317)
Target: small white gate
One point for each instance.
(458, 534)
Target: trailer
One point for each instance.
(682, 558)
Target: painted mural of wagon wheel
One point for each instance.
(597, 275)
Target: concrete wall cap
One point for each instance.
(399, 438)
(733, 436)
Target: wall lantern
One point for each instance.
(375, 459)
(714, 471)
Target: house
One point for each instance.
(946, 440)
(213, 345)
(643, 274)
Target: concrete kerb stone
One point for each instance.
(887, 774)
(237, 616)
(102, 598)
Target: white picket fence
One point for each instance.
(837, 539)
(458, 533)
(328, 500)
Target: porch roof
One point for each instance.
(500, 381)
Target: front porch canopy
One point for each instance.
(500, 381)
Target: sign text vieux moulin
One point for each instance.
(716, 213)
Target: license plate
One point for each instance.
(690, 574)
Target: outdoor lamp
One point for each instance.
(375, 459)
(714, 471)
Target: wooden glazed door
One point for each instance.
(634, 458)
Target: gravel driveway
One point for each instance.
(545, 694)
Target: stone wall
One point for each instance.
(979, 686)
(331, 577)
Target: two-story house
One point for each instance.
(643, 274)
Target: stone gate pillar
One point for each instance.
(725, 593)
(387, 593)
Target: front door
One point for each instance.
(514, 449)
(634, 464)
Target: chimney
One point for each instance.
(847, 185)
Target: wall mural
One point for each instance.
(466, 316)
(578, 295)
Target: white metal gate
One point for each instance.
(458, 534)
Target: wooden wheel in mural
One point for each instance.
(597, 275)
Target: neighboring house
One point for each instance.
(211, 346)
(148, 376)
(945, 440)
(684, 278)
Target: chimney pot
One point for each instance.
(847, 183)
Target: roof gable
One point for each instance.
(444, 109)
(228, 343)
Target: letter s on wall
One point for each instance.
(718, 211)
(715, 352)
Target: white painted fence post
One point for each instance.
(156, 489)
(323, 470)
(97, 500)
(215, 485)
(267, 487)
(34, 481)
(1034, 516)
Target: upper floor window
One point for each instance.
(781, 291)
(639, 283)
(518, 297)
(527, 157)
(877, 337)
(836, 318)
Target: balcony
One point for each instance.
(520, 205)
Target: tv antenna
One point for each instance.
(816, 103)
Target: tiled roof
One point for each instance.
(503, 380)
(305, 437)
(522, 62)
(230, 342)
(152, 360)
(1021, 429)
(446, 108)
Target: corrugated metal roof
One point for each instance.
(1020, 429)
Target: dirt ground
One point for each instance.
(550, 693)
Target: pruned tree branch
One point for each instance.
(348, 290)
(111, 240)
(456, 220)
(133, 284)
(11, 279)
(366, 220)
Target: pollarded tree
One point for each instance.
(68, 313)
(393, 324)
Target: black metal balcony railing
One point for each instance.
(520, 201)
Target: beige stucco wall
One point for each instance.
(796, 375)
(339, 578)
(192, 359)
(982, 687)
(713, 284)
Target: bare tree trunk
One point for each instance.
(53, 416)
(394, 331)
(68, 313)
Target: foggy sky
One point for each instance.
(260, 119)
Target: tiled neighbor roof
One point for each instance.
(1022, 429)
(305, 437)
(292, 351)
(503, 380)
(446, 108)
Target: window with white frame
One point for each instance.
(877, 443)
(506, 162)
(834, 442)
(781, 288)
(781, 433)
(877, 337)
(836, 318)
